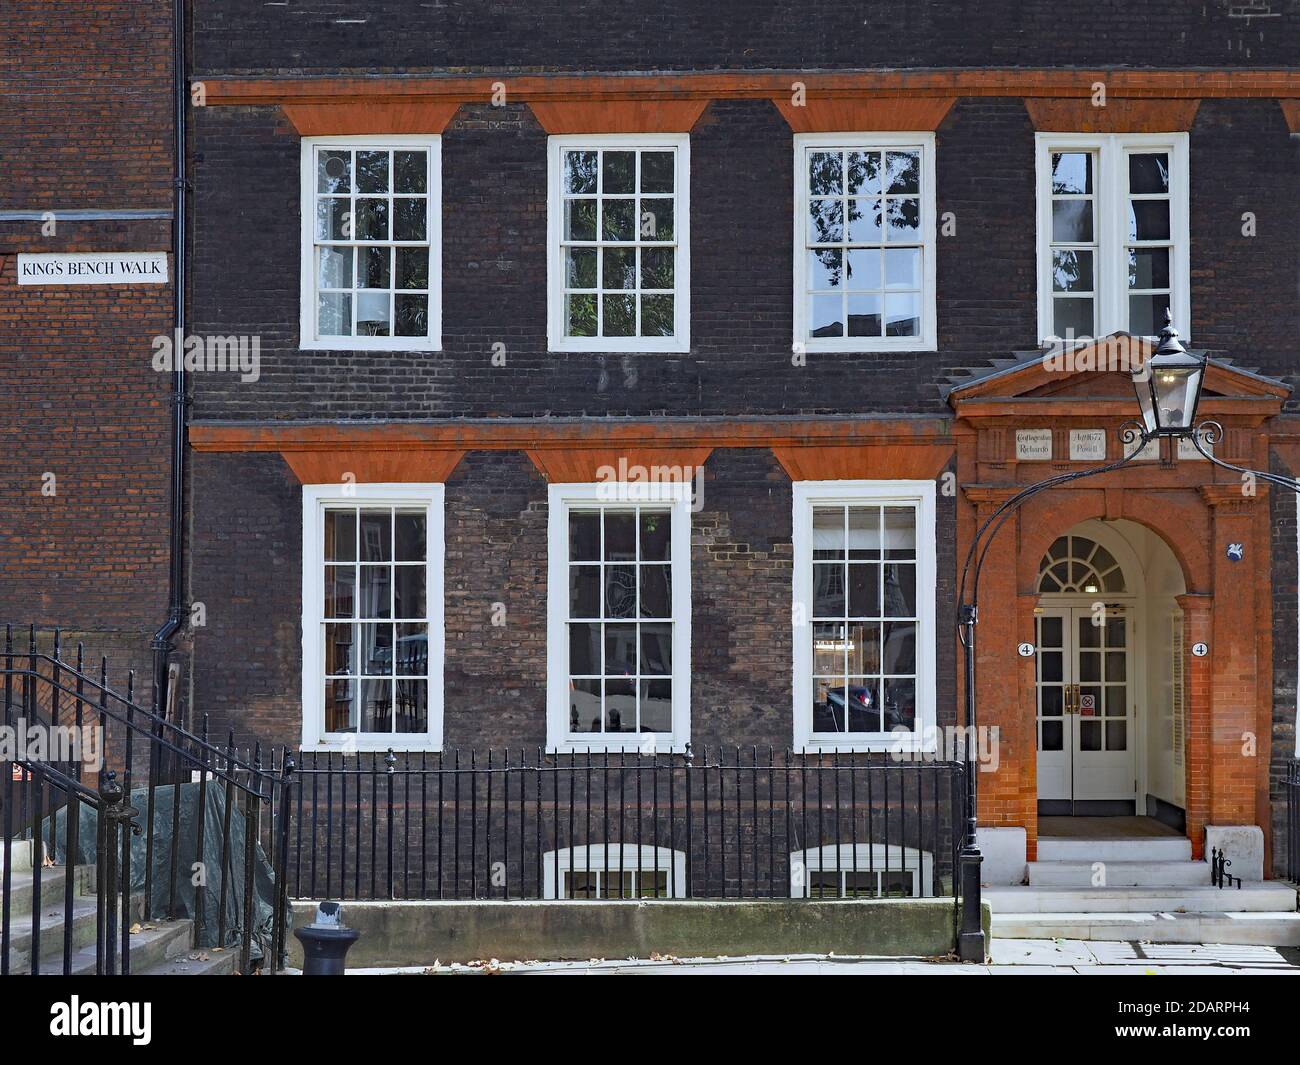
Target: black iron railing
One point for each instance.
(730, 823)
(1219, 875)
(1291, 790)
(183, 827)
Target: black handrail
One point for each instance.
(86, 726)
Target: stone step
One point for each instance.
(1256, 896)
(21, 885)
(1119, 874)
(1145, 849)
(19, 857)
(51, 926)
(1262, 929)
(153, 948)
(206, 961)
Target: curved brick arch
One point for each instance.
(1180, 519)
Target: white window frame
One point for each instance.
(924, 141)
(869, 858)
(556, 147)
(315, 499)
(308, 340)
(1110, 223)
(560, 499)
(604, 858)
(921, 494)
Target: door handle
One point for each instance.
(1072, 698)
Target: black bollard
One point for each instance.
(325, 942)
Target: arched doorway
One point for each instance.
(1109, 692)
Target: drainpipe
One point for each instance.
(162, 641)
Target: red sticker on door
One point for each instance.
(1087, 706)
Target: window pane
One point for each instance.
(1072, 221)
(900, 532)
(864, 590)
(340, 588)
(825, 173)
(656, 706)
(620, 535)
(1146, 314)
(411, 219)
(656, 592)
(412, 316)
(412, 268)
(904, 218)
(584, 706)
(903, 267)
(580, 172)
(864, 532)
(826, 316)
(862, 647)
(656, 526)
(656, 221)
(584, 649)
(373, 311)
(1072, 271)
(618, 172)
(829, 647)
(899, 707)
(862, 702)
(618, 268)
(864, 314)
(412, 650)
(829, 590)
(657, 649)
(412, 706)
(1148, 173)
(620, 587)
(619, 316)
(620, 706)
(902, 172)
(620, 650)
(899, 647)
(828, 532)
(334, 267)
(657, 266)
(903, 314)
(1148, 220)
(375, 649)
(1148, 268)
(334, 171)
(580, 268)
(334, 314)
(1071, 173)
(340, 706)
(372, 220)
(826, 268)
(900, 590)
(825, 221)
(617, 219)
(864, 221)
(584, 591)
(411, 171)
(864, 267)
(340, 535)
(1072, 317)
(340, 649)
(864, 173)
(410, 525)
(580, 316)
(1053, 736)
(376, 699)
(584, 535)
(333, 219)
(375, 264)
(580, 219)
(372, 171)
(657, 316)
(657, 171)
(410, 592)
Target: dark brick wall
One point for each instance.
(86, 125)
(494, 270)
(247, 567)
(1282, 510)
(436, 35)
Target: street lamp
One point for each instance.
(1168, 385)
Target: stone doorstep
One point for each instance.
(1262, 929)
(1267, 897)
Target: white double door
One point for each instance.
(1086, 703)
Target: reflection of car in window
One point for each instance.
(862, 712)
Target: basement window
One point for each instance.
(613, 871)
(372, 617)
(861, 871)
(371, 248)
